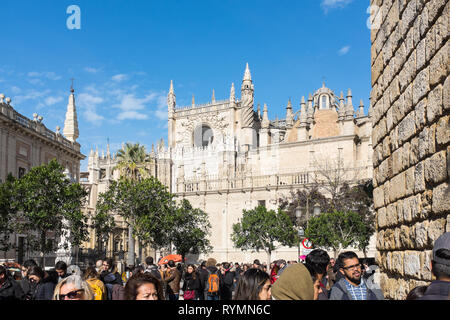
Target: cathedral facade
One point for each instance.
(226, 156)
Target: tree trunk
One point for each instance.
(269, 257)
(43, 250)
(130, 257)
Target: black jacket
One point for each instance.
(190, 283)
(226, 285)
(437, 290)
(11, 290)
(44, 290)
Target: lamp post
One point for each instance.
(300, 231)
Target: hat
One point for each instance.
(295, 283)
(443, 242)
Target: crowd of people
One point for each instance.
(318, 277)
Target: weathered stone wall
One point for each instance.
(411, 133)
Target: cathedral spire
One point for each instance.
(303, 115)
(71, 123)
(213, 97)
(247, 99)
(171, 100)
(193, 101)
(247, 75)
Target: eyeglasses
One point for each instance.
(355, 266)
(71, 295)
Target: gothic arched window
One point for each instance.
(203, 136)
(323, 102)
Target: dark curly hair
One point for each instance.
(133, 284)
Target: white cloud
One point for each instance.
(91, 70)
(331, 4)
(134, 115)
(344, 50)
(15, 90)
(88, 105)
(47, 75)
(119, 77)
(31, 95)
(52, 100)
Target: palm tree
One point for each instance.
(132, 160)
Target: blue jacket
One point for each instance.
(437, 290)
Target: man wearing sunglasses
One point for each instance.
(352, 286)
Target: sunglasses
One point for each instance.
(355, 266)
(71, 295)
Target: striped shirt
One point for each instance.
(357, 292)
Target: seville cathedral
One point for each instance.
(224, 156)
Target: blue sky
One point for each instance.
(126, 53)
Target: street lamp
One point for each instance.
(316, 210)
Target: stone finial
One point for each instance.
(2, 96)
(258, 110)
(247, 75)
(193, 101)
(265, 119)
(57, 130)
(289, 114)
(232, 93)
(35, 117)
(361, 109)
(171, 100)
(8, 101)
(40, 118)
(213, 98)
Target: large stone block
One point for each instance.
(397, 262)
(414, 155)
(406, 237)
(407, 127)
(378, 197)
(441, 198)
(419, 178)
(434, 8)
(398, 189)
(381, 217)
(435, 106)
(435, 230)
(442, 28)
(443, 131)
(391, 215)
(436, 168)
(421, 234)
(411, 264)
(446, 95)
(421, 85)
(425, 261)
(420, 113)
(438, 68)
(408, 16)
(421, 58)
(409, 181)
(427, 144)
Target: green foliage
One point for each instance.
(46, 199)
(8, 212)
(336, 230)
(132, 159)
(142, 203)
(190, 230)
(262, 229)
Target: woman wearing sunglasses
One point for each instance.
(73, 288)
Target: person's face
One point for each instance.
(317, 289)
(190, 269)
(332, 262)
(105, 265)
(352, 270)
(60, 272)
(24, 272)
(147, 291)
(69, 291)
(2, 277)
(34, 278)
(266, 291)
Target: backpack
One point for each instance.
(213, 283)
(98, 293)
(118, 292)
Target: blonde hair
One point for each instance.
(79, 284)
